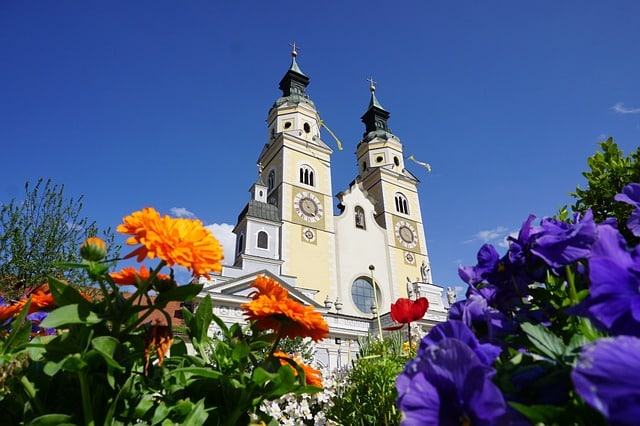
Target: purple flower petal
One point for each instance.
(449, 377)
(607, 376)
(631, 195)
(486, 352)
(560, 243)
(614, 273)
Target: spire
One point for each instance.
(375, 118)
(294, 82)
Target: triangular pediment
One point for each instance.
(241, 287)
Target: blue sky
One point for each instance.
(163, 103)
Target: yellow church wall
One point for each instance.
(312, 262)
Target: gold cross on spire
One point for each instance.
(294, 47)
(372, 84)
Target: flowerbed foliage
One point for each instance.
(83, 360)
(367, 395)
(549, 332)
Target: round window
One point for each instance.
(362, 294)
(306, 128)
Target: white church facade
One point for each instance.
(334, 262)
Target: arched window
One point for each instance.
(359, 218)
(240, 243)
(362, 294)
(307, 175)
(402, 205)
(271, 180)
(263, 240)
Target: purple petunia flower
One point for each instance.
(559, 243)
(614, 273)
(449, 385)
(486, 352)
(519, 246)
(36, 318)
(631, 195)
(488, 259)
(476, 313)
(607, 376)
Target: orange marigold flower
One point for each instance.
(131, 276)
(93, 248)
(312, 376)
(159, 339)
(289, 318)
(268, 286)
(185, 242)
(41, 298)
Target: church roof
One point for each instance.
(375, 118)
(258, 209)
(294, 84)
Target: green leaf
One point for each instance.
(546, 342)
(181, 293)
(197, 415)
(107, 346)
(64, 294)
(71, 265)
(199, 324)
(198, 371)
(540, 414)
(70, 314)
(240, 352)
(51, 419)
(145, 405)
(19, 334)
(161, 412)
(179, 348)
(72, 363)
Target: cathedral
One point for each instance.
(351, 266)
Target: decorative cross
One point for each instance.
(372, 83)
(294, 52)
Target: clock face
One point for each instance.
(307, 206)
(406, 234)
(308, 235)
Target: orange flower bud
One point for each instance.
(93, 249)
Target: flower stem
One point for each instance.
(276, 342)
(86, 399)
(571, 280)
(31, 393)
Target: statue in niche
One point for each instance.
(424, 271)
(360, 218)
(451, 295)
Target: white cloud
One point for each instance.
(489, 235)
(223, 233)
(181, 212)
(620, 108)
(496, 236)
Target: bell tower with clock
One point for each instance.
(297, 164)
(351, 262)
(394, 189)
